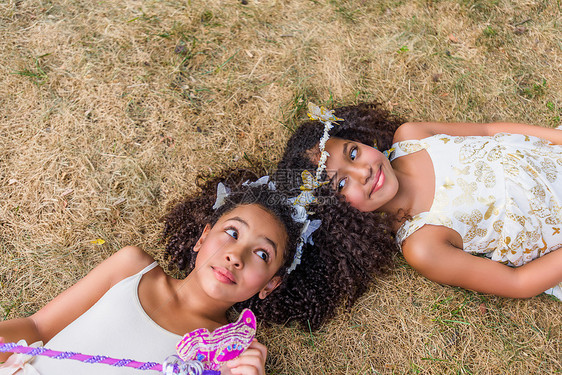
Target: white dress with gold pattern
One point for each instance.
(502, 194)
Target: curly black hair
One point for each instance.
(332, 270)
(367, 123)
(186, 221)
(361, 244)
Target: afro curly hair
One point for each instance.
(363, 242)
(332, 271)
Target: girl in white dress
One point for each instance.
(449, 191)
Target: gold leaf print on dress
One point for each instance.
(538, 193)
(419, 221)
(537, 204)
(448, 184)
(487, 246)
(481, 247)
(491, 203)
(542, 250)
(408, 228)
(555, 231)
(498, 226)
(531, 171)
(468, 190)
(516, 218)
(517, 155)
(410, 147)
(464, 171)
(511, 170)
(549, 169)
(484, 174)
(540, 143)
(532, 168)
(445, 140)
(471, 151)
(495, 153)
(472, 220)
(438, 219)
(556, 209)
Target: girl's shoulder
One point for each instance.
(410, 131)
(128, 261)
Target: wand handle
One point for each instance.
(21, 349)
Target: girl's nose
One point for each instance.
(234, 257)
(362, 173)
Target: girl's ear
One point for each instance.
(270, 287)
(202, 238)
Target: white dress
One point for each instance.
(117, 327)
(502, 194)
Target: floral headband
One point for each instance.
(310, 182)
(299, 216)
(326, 117)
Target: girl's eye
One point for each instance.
(341, 184)
(232, 233)
(353, 153)
(263, 254)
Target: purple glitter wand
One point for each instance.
(20, 349)
(198, 353)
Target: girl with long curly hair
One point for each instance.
(244, 247)
(448, 191)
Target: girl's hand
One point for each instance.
(251, 362)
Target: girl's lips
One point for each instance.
(223, 275)
(378, 181)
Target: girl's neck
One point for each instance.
(416, 187)
(409, 199)
(195, 302)
(400, 206)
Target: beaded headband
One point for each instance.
(299, 216)
(326, 117)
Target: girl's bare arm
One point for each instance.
(420, 130)
(430, 251)
(76, 300)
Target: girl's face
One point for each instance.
(240, 255)
(362, 174)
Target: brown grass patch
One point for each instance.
(110, 109)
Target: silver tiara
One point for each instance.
(300, 215)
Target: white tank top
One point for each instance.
(116, 326)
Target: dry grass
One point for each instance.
(110, 109)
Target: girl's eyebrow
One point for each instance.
(271, 242)
(239, 219)
(345, 148)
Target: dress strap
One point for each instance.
(407, 147)
(418, 221)
(147, 268)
